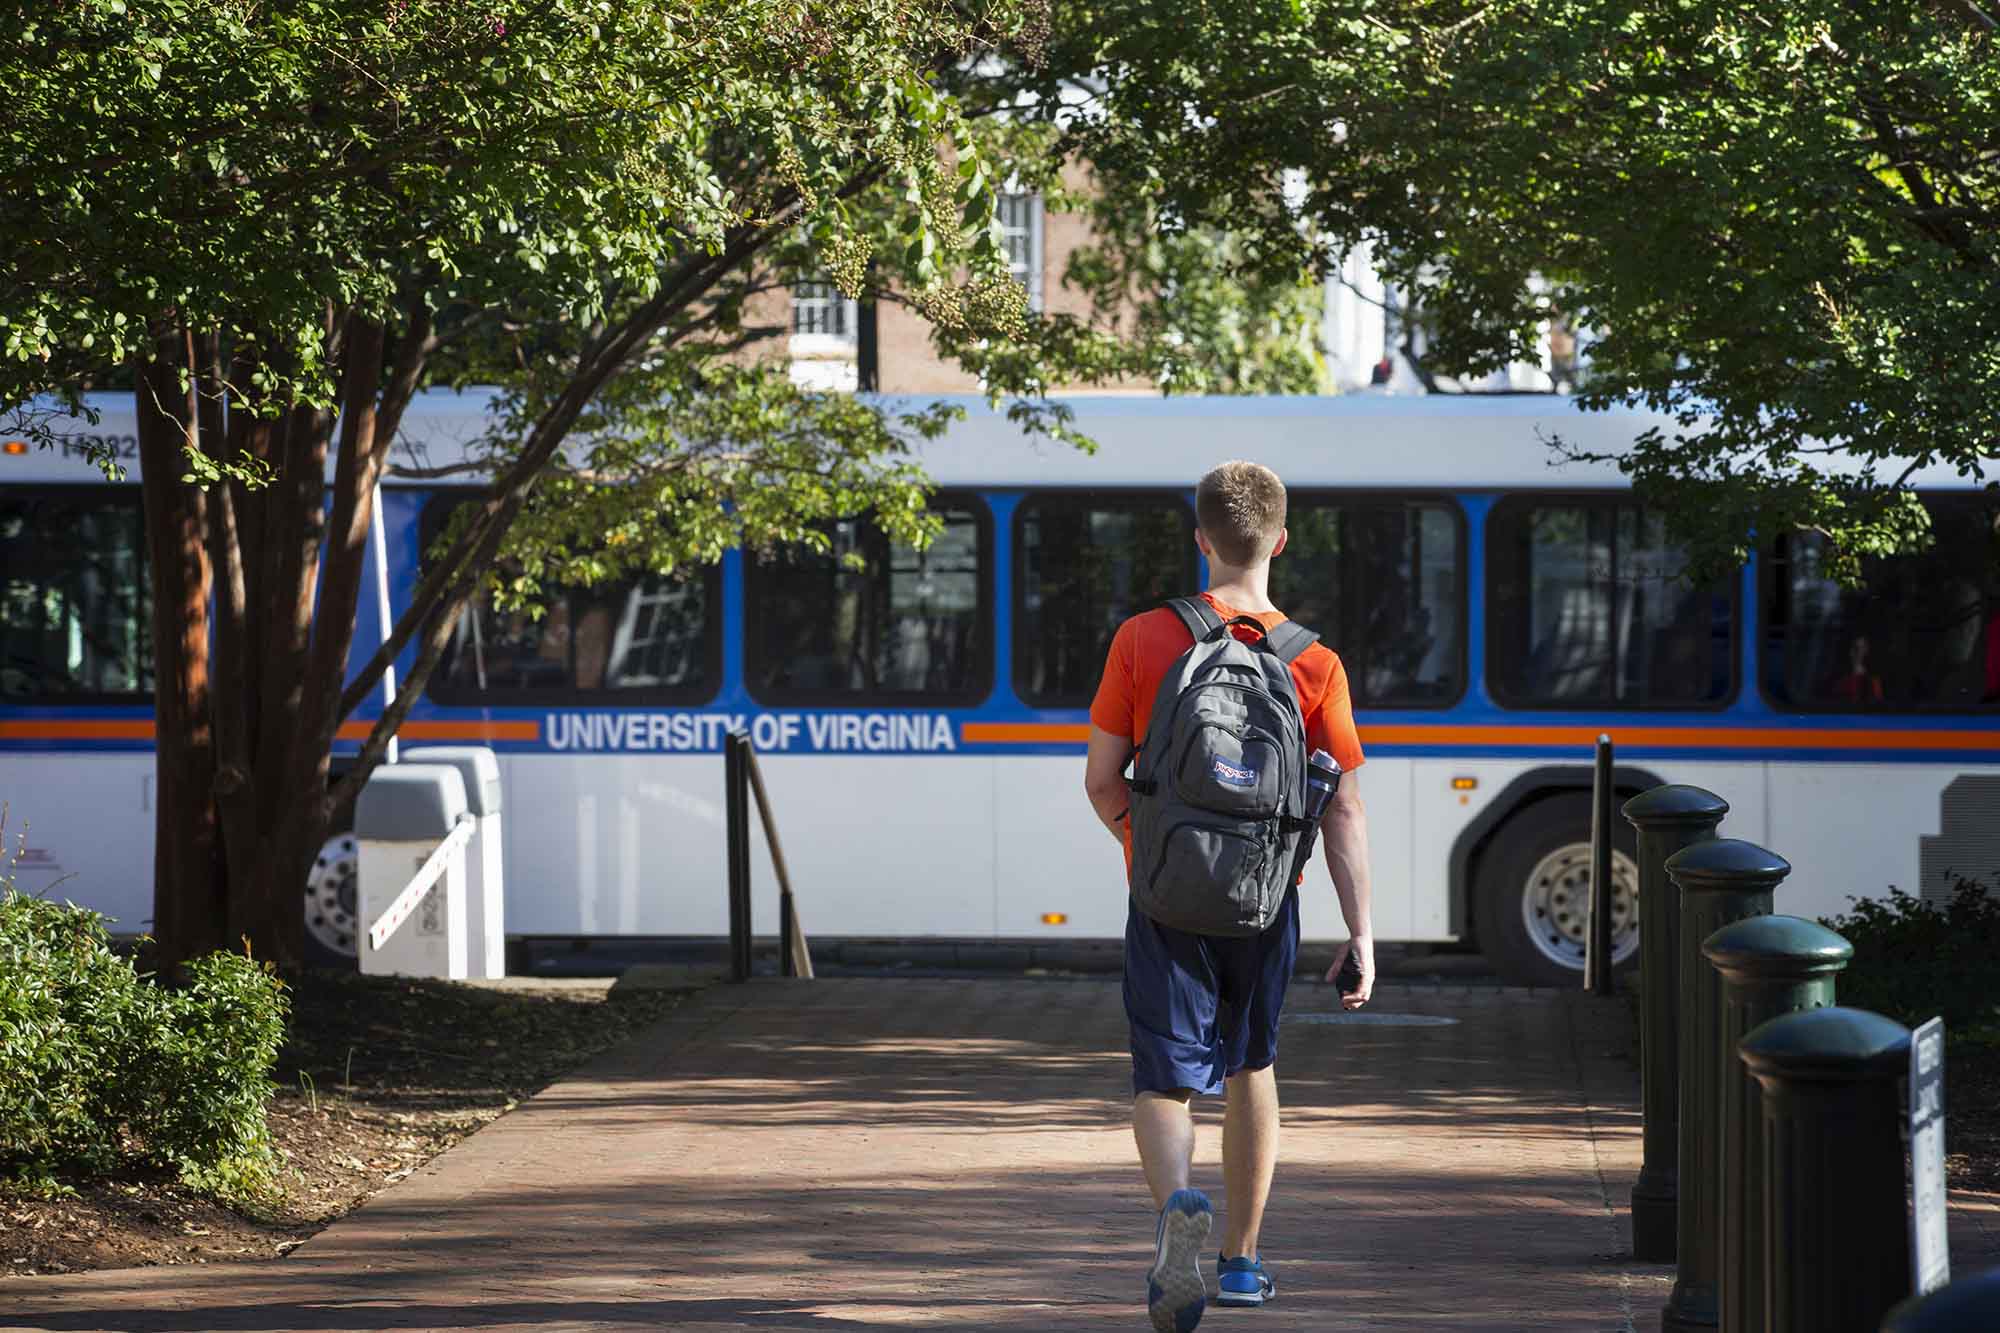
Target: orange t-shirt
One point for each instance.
(1148, 644)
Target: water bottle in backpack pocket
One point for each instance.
(1219, 792)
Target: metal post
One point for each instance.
(1770, 966)
(1969, 1305)
(1720, 881)
(1668, 818)
(737, 832)
(1835, 1208)
(1597, 965)
(785, 966)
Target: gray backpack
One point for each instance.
(1219, 784)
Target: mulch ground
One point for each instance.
(380, 1076)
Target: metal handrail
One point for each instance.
(743, 778)
(795, 958)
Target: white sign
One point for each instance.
(1930, 1255)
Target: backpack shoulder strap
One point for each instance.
(1198, 616)
(1288, 639)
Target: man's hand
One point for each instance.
(1363, 950)
(1104, 779)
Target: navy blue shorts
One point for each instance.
(1204, 1007)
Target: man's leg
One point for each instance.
(1164, 1127)
(1170, 1003)
(1249, 1156)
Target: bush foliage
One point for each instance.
(1914, 960)
(100, 1065)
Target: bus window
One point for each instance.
(1587, 609)
(75, 608)
(1922, 635)
(1084, 565)
(1382, 583)
(648, 640)
(905, 625)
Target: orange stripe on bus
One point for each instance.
(77, 729)
(1058, 733)
(141, 729)
(470, 731)
(449, 731)
(1023, 733)
(1691, 738)
(1722, 738)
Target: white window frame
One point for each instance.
(1029, 271)
(824, 346)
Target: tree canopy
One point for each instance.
(276, 221)
(1780, 223)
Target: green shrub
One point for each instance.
(68, 1007)
(99, 1064)
(1914, 960)
(202, 1077)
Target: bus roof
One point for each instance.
(1356, 440)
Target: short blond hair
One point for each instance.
(1241, 510)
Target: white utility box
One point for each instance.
(485, 907)
(404, 812)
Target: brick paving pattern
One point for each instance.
(954, 1154)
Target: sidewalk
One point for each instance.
(860, 1154)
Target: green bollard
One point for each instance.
(1722, 880)
(1668, 819)
(1970, 1305)
(1770, 966)
(1836, 1212)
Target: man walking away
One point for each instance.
(1203, 1008)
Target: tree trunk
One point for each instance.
(233, 704)
(188, 885)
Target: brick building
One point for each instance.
(1361, 333)
(824, 339)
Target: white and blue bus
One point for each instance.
(922, 720)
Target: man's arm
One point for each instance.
(1104, 778)
(1344, 829)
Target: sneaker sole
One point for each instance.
(1175, 1292)
(1238, 1298)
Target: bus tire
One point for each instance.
(332, 905)
(1532, 894)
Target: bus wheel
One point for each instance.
(1533, 894)
(333, 904)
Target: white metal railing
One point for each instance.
(426, 878)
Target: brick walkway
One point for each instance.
(865, 1154)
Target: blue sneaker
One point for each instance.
(1243, 1282)
(1175, 1292)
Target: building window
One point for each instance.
(874, 621)
(823, 321)
(75, 606)
(818, 309)
(1587, 608)
(1020, 215)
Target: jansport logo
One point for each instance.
(1230, 775)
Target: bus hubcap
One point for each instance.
(1555, 905)
(331, 895)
